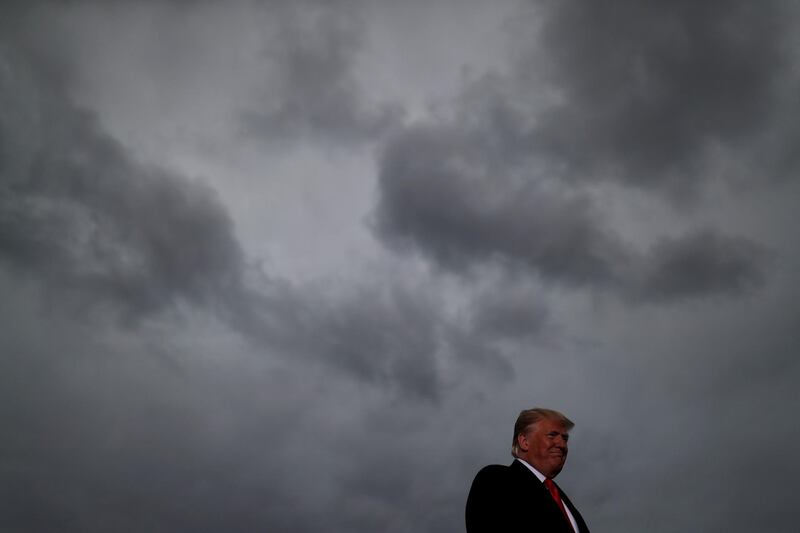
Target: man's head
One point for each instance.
(540, 439)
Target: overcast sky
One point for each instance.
(297, 266)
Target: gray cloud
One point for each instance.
(702, 262)
(439, 189)
(649, 90)
(103, 231)
(310, 86)
(79, 212)
(104, 436)
(510, 312)
(177, 428)
(648, 95)
(445, 192)
(239, 399)
(386, 335)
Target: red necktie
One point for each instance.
(557, 497)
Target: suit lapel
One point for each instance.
(535, 490)
(575, 514)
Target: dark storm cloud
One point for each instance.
(310, 84)
(650, 89)
(366, 402)
(702, 262)
(103, 231)
(439, 189)
(101, 436)
(648, 94)
(124, 429)
(514, 312)
(386, 335)
(107, 438)
(446, 192)
(80, 213)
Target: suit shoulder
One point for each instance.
(487, 504)
(493, 470)
(490, 473)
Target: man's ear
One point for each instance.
(522, 442)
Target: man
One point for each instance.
(522, 497)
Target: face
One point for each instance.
(544, 446)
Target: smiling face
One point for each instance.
(544, 446)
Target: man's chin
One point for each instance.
(557, 465)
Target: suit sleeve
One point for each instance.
(485, 504)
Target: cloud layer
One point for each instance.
(600, 222)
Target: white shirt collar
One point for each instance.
(541, 476)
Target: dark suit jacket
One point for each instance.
(506, 499)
